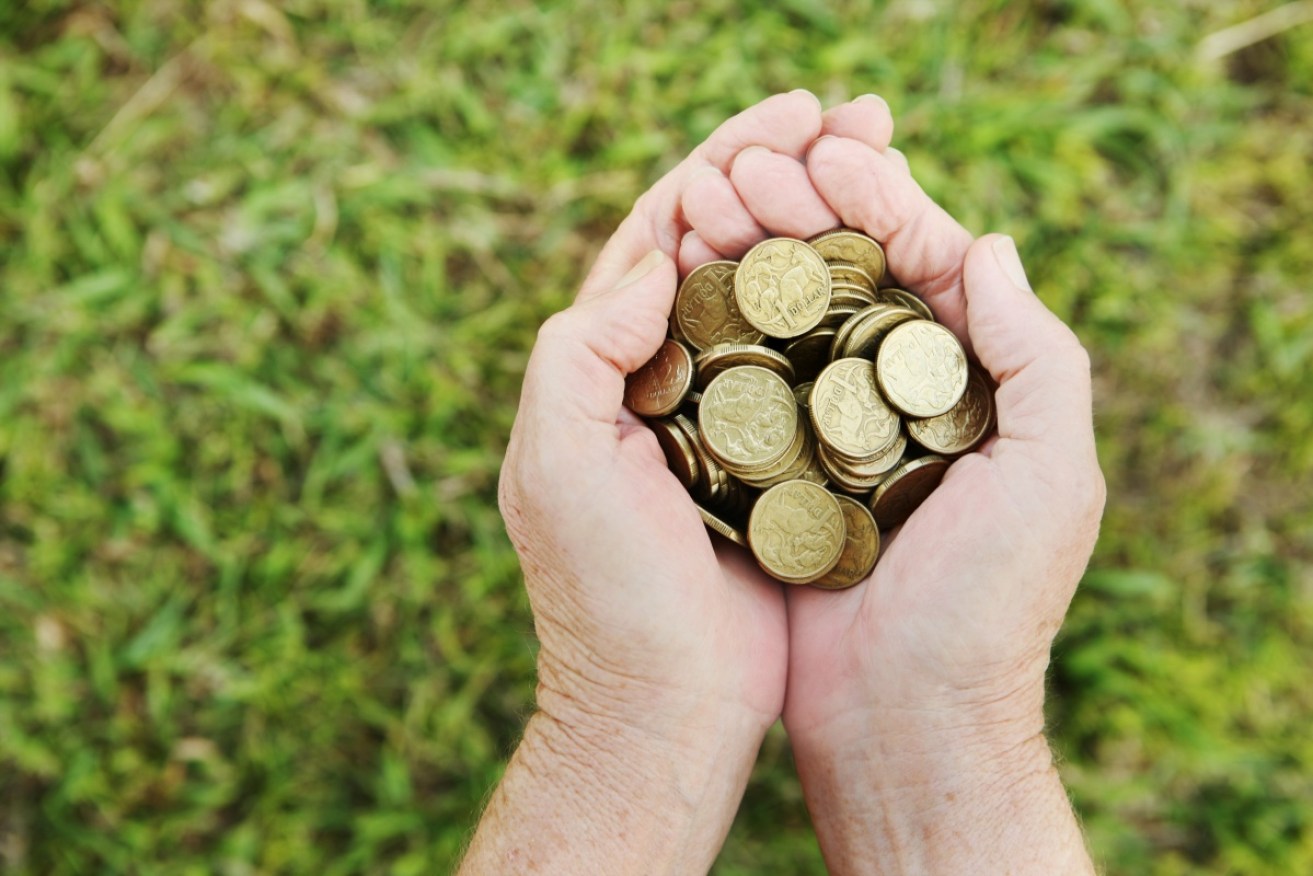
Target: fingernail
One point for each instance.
(875, 97)
(1005, 251)
(747, 150)
(808, 93)
(642, 269)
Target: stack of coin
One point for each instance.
(806, 403)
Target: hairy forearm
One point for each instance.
(581, 798)
(940, 799)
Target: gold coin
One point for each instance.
(847, 412)
(840, 478)
(782, 287)
(736, 503)
(756, 474)
(796, 531)
(963, 426)
(721, 357)
(922, 368)
(873, 468)
(681, 459)
(905, 489)
(860, 477)
(842, 334)
(847, 294)
(838, 314)
(715, 524)
(747, 417)
(847, 245)
(658, 388)
(843, 299)
(802, 394)
(809, 354)
(711, 481)
(892, 295)
(847, 272)
(861, 546)
(863, 342)
(706, 312)
(810, 468)
(848, 297)
(799, 464)
(854, 288)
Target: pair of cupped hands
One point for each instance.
(658, 635)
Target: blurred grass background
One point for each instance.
(268, 277)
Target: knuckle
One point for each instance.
(1097, 494)
(1071, 352)
(558, 326)
(825, 157)
(506, 485)
(1088, 492)
(1085, 487)
(520, 501)
(509, 495)
(1080, 357)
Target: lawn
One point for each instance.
(269, 273)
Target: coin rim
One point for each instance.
(898, 475)
(821, 583)
(715, 524)
(975, 375)
(712, 357)
(729, 292)
(845, 231)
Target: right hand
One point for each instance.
(915, 699)
(955, 624)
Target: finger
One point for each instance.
(713, 208)
(925, 246)
(575, 381)
(694, 251)
(1043, 373)
(779, 194)
(866, 119)
(898, 159)
(785, 123)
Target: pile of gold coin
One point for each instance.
(807, 404)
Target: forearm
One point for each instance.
(941, 797)
(581, 798)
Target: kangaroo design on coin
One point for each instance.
(783, 287)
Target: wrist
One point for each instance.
(600, 706)
(921, 754)
(949, 785)
(580, 792)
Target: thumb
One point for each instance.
(575, 381)
(1043, 373)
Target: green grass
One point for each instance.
(268, 276)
